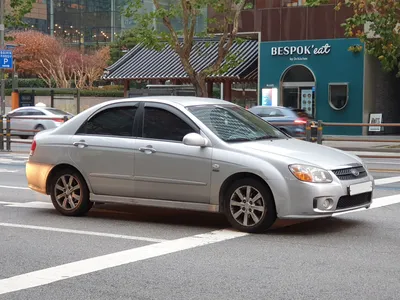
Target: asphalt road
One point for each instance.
(119, 252)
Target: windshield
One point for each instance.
(235, 124)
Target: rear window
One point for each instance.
(56, 111)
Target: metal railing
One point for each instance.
(313, 133)
(6, 131)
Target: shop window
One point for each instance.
(338, 95)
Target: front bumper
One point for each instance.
(37, 175)
(308, 200)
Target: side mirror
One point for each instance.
(194, 139)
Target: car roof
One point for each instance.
(270, 107)
(180, 100)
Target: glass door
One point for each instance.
(290, 97)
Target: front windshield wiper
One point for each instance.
(238, 140)
(266, 137)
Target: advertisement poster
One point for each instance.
(307, 101)
(375, 119)
(269, 97)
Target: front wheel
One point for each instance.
(249, 206)
(69, 193)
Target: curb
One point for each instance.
(368, 150)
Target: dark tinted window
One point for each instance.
(163, 125)
(117, 121)
(267, 112)
(33, 112)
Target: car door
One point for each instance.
(32, 118)
(103, 150)
(165, 168)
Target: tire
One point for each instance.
(40, 128)
(252, 208)
(81, 203)
(23, 137)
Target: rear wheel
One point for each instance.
(249, 206)
(39, 128)
(69, 193)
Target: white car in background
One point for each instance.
(24, 120)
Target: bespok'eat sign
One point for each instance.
(300, 50)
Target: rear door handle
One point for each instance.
(147, 149)
(80, 144)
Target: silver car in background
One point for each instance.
(36, 118)
(193, 153)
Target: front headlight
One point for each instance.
(310, 174)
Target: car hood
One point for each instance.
(304, 152)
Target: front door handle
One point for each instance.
(147, 149)
(80, 144)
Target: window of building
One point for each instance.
(116, 121)
(161, 124)
(338, 95)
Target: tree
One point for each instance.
(176, 25)
(48, 58)
(35, 47)
(90, 67)
(123, 42)
(15, 12)
(375, 23)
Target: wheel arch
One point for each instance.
(241, 175)
(59, 167)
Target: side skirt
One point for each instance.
(155, 203)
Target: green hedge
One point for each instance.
(83, 93)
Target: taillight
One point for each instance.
(300, 121)
(58, 120)
(33, 148)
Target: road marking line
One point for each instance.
(13, 187)
(34, 204)
(388, 180)
(93, 233)
(8, 171)
(86, 266)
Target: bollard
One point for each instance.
(8, 134)
(319, 132)
(308, 131)
(1, 134)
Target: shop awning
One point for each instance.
(141, 63)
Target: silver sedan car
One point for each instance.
(197, 154)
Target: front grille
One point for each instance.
(353, 201)
(350, 173)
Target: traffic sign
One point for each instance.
(6, 59)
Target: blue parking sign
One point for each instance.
(6, 59)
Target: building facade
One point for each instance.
(86, 23)
(305, 62)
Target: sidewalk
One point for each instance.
(352, 143)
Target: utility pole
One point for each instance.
(52, 17)
(2, 95)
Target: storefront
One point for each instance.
(320, 76)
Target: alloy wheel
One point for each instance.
(247, 206)
(68, 192)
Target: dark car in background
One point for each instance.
(295, 118)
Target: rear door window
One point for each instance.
(115, 121)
